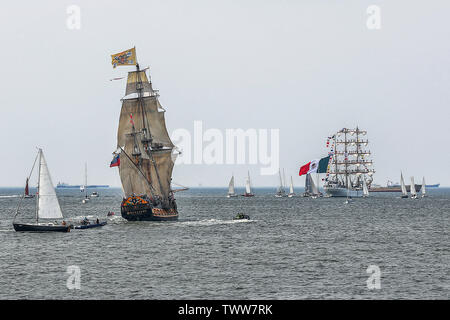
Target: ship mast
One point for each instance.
(147, 138)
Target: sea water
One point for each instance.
(291, 248)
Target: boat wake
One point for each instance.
(210, 222)
(11, 196)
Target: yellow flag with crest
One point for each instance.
(124, 58)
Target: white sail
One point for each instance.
(280, 190)
(231, 186)
(365, 189)
(402, 183)
(291, 187)
(422, 190)
(413, 187)
(48, 204)
(314, 189)
(248, 188)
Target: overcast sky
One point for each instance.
(308, 68)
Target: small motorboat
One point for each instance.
(241, 216)
(91, 225)
(94, 195)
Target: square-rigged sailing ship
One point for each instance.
(144, 148)
(350, 170)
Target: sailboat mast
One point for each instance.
(38, 190)
(85, 179)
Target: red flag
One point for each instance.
(304, 169)
(131, 119)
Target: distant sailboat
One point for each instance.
(348, 200)
(280, 191)
(231, 192)
(27, 194)
(422, 190)
(403, 186)
(291, 189)
(365, 189)
(47, 204)
(314, 190)
(86, 197)
(248, 188)
(413, 189)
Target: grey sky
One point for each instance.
(308, 68)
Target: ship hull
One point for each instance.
(342, 192)
(26, 227)
(148, 213)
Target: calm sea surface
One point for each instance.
(298, 248)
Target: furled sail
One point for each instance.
(48, 204)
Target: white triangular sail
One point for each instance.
(48, 204)
(314, 189)
(248, 188)
(280, 190)
(402, 183)
(365, 189)
(291, 187)
(422, 190)
(413, 187)
(231, 186)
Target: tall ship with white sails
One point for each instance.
(350, 165)
(146, 152)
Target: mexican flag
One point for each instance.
(316, 165)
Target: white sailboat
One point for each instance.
(47, 204)
(403, 186)
(291, 189)
(365, 189)
(231, 192)
(422, 190)
(314, 189)
(348, 200)
(86, 197)
(413, 189)
(248, 188)
(280, 191)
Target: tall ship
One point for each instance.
(144, 147)
(350, 166)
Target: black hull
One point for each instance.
(24, 227)
(147, 213)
